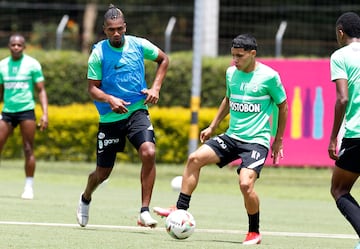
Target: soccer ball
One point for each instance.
(180, 224)
(176, 183)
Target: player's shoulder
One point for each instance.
(30, 61)
(141, 41)
(135, 39)
(29, 58)
(231, 70)
(350, 49)
(266, 68)
(5, 60)
(97, 49)
(267, 73)
(338, 53)
(99, 44)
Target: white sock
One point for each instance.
(29, 182)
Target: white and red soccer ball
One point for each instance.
(180, 224)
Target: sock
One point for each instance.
(349, 207)
(183, 201)
(143, 209)
(29, 182)
(254, 220)
(87, 202)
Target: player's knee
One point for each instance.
(103, 178)
(245, 187)
(147, 152)
(100, 175)
(28, 151)
(336, 193)
(194, 160)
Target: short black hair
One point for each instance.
(113, 13)
(245, 41)
(15, 35)
(349, 23)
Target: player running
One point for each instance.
(116, 76)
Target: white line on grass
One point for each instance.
(282, 234)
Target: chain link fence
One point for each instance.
(309, 32)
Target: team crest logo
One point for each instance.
(101, 135)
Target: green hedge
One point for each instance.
(71, 135)
(65, 74)
(73, 118)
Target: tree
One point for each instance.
(89, 21)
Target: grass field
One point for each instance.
(296, 209)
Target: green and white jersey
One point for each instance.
(345, 64)
(251, 98)
(19, 78)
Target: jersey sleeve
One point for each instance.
(94, 66)
(337, 67)
(229, 74)
(276, 89)
(151, 51)
(37, 73)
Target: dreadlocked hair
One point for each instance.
(113, 13)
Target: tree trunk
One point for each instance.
(89, 22)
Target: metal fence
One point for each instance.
(309, 31)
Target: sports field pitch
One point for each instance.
(297, 211)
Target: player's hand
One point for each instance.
(152, 96)
(276, 156)
(205, 134)
(118, 105)
(277, 152)
(43, 123)
(332, 149)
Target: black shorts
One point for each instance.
(16, 117)
(228, 149)
(111, 137)
(349, 158)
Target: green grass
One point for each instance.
(297, 210)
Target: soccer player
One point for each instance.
(20, 75)
(116, 82)
(345, 72)
(252, 90)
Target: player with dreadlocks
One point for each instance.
(116, 83)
